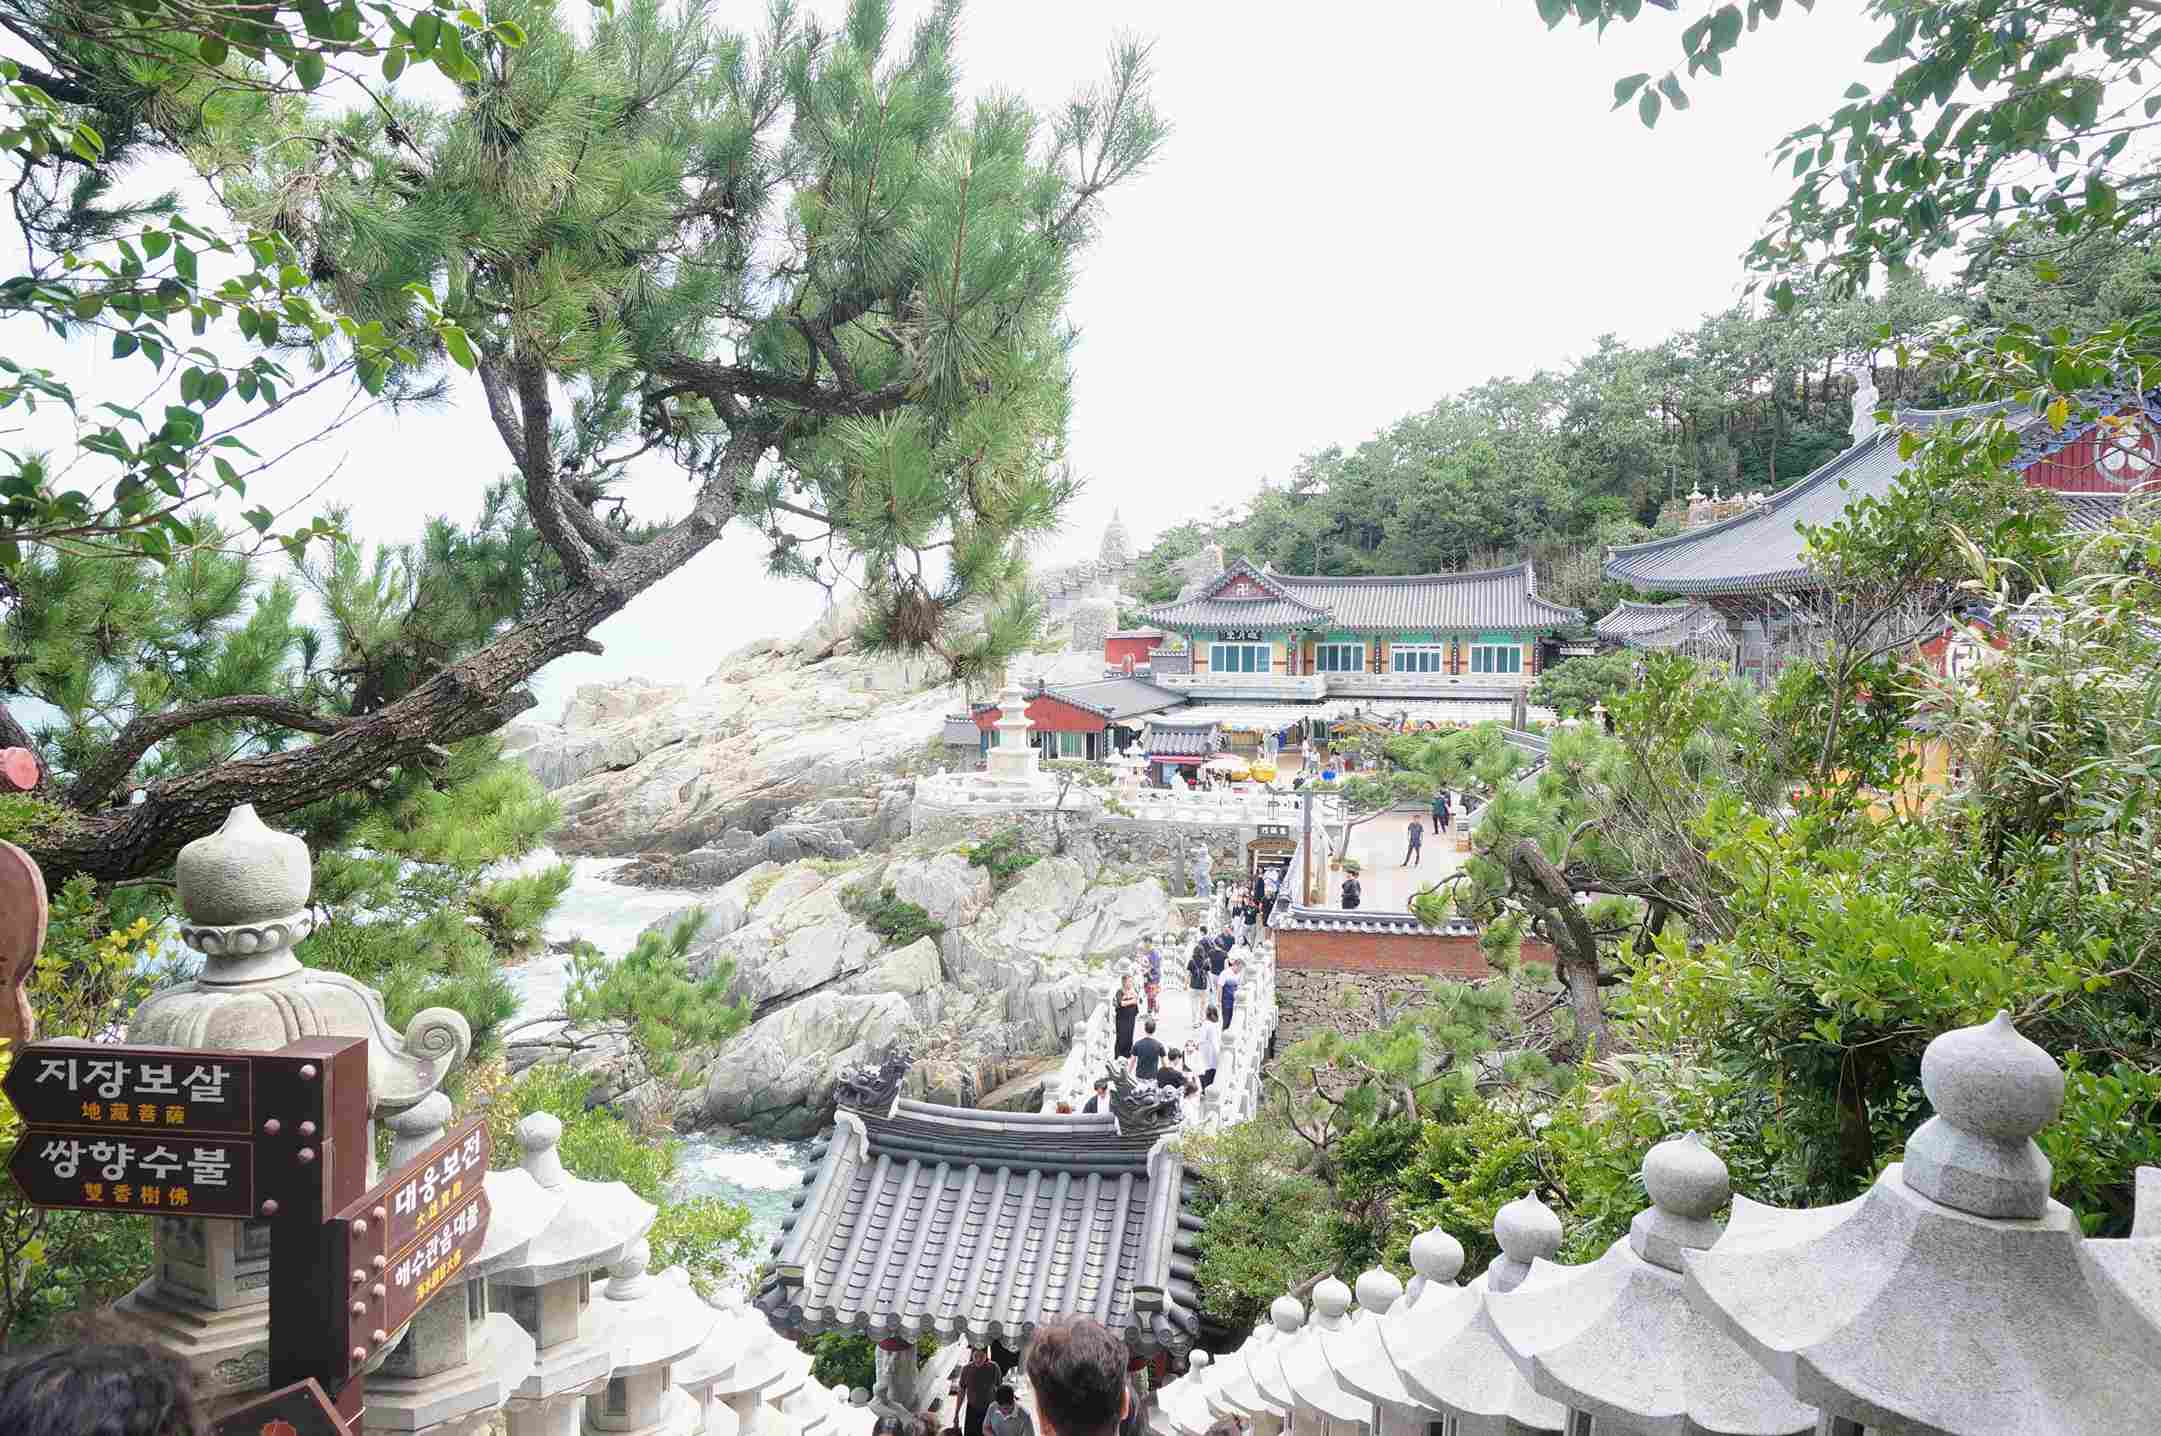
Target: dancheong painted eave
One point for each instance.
(978, 1225)
(1245, 597)
(1762, 551)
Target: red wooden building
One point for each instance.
(1131, 645)
(1087, 720)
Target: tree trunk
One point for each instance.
(1575, 946)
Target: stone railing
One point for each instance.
(1170, 662)
(1826, 1322)
(1288, 687)
(1221, 807)
(1499, 688)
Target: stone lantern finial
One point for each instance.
(1197, 1358)
(1992, 1091)
(417, 1128)
(1378, 1290)
(1437, 1256)
(1688, 1184)
(537, 1139)
(1288, 1314)
(244, 889)
(628, 1280)
(1528, 1231)
(1331, 1299)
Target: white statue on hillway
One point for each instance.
(1865, 403)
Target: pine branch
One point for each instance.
(147, 730)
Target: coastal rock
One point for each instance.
(944, 885)
(776, 1079)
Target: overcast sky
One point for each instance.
(1361, 208)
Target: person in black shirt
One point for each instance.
(979, 1381)
(1102, 1095)
(1351, 894)
(1147, 1054)
(1172, 1073)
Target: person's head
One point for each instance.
(1065, 1109)
(1078, 1370)
(100, 1383)
(1103, 1084)
(1125, 988)
(891, 1426)
(1174, 1057)
(1149, 1027)
(1238, 964)
(1214, 1016)
(979, 1353)
(1007, 1396)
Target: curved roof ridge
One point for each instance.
(1461, 575)
(1783, 499)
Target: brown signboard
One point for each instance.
(415, 1198)
(431, 1261)
(297, 1410)
(134, 1089)
(94, 1170)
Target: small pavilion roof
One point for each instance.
(1660, 625)
(1243, 596)
(1115, 699)
(979, 1225)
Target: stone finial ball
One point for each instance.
(243, 873)
(1686, 1178)
(1527, 1229)
(636, 1260)
(1198, 1359)
(859, 1397)
(540, 1132)
(1287, 1313)
(1331, 1298)
(1436, 1256)
(1378, 1290)
(1989, 1079)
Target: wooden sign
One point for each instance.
(407, 1240)
(297, 1410)
(134, 1089)
(91, 1170)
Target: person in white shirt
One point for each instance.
(1208, 1047)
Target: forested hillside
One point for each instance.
(1568, 460)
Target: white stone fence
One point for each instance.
(1953, 1298)
(965, 794)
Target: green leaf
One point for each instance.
(212, 49)
(426, 26)
(461, 348)
(184, 263)
(510, 32)
(1624, 89)
(1553, 12)
(155, 243)
(1670, 87)
(124, 344)
(1647, 108)
(260, 519)
(393, 62)
(308, 65)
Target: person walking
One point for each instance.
(1006, 1417)
(1126, 1014)
(1443, 813)
(1260, 888)
(1102, 1094)
(1147, 1055)
(1208, 1048)
(1230, 991)
(1196, 985)
(1172, 1073)
(1351, 893)
(1152, 962)
(1415, 854)
(979, 1382)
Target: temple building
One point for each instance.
(1685, 625)
(1751, 569)
(1255, 634)
(1086, 720)
(977, 1225)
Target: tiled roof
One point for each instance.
(2091, 513)
(1181, 739)
(1661, 625)
(1762, 551)
(1292, 918)
(977, 1224)
(1116, 698)
(1494, 598)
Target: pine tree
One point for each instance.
(796, 263)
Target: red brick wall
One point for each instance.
(1440, 954)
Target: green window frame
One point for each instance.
(1418, 658)
(1339, 658)
(1241, 658)
(1496, 658)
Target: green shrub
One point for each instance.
(894, 918)
(1006, 854)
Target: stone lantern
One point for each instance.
(458, 1362)
(1012, 759)
(244, 892)
(758, 1365)
(1360, 1359)
(1237, 1393)
(1954, 1297)
(1323, 1407)
(1447, 1353)
(1184, 1403)
(1264, 1368)
(549, 1290)
(702, 1374)
(650, 1323)
(1617, 1341)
